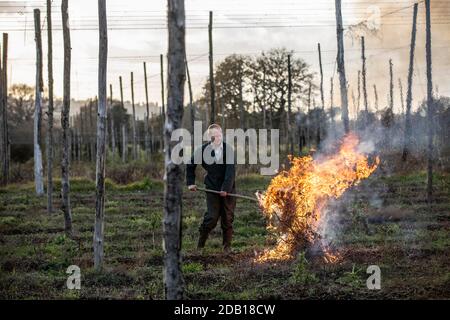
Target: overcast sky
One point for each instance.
(137, 33)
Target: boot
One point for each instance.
(202, 240)
(227, 237)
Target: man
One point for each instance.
(220, 177)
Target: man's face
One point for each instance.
(216, 136)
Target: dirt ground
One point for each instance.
(384, 221)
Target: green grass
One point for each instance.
(35, 253)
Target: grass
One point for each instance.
(399, 232)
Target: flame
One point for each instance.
(295, 201)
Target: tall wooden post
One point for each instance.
(101, 137)
(173, 277)
(402, 98)
(341, 66)
(375, 92)
(124, 143)
(191, 105)
(135, 153)
(358, 105)
(289, 111)
(364, 77)
(4, 134)
(308, 122)
(91, 129)
(65, 163)
(333, 123)
(322, 99)
(264, 99)
(38, 168)
(163, 100)
(82, 133)
(407, 137)
(124, 147)
(147, 115)
(430, 103)
(50, 110)
(211, 70)
(391, 86)
(113, 131)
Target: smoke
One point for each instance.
(387, 26)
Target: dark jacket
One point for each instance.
(219, 177)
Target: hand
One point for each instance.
(223, 193)
(192, 187)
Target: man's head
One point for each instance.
(215, 134)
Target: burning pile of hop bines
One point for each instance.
(295, 201)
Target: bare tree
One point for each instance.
(341, 66)
(173, 278)
(101, 136)
(65, 161)
(50, 110)
(407, 137)
(38, 168)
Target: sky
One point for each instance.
(137, 33)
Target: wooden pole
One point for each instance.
(173, 277)
(322, 99)
(407, 137)
(289, 111)
(82, 133)
(264, 98)
(191, 105)
(50, 110)
(5, 143)
(113, 131)
(135, 154)
(341, 66)
(391, 86)
(38, 167)
(333, 123)
(163, 100)
(147, 115)
(430, 103)
(65, 163)
(402, 98)
(101, 137)
(124, 147)
(358, 106)
(124, 143)
(308, 122)
(364, 78)
(211, 70)
(375, 92)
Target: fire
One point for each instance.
(295, 201)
